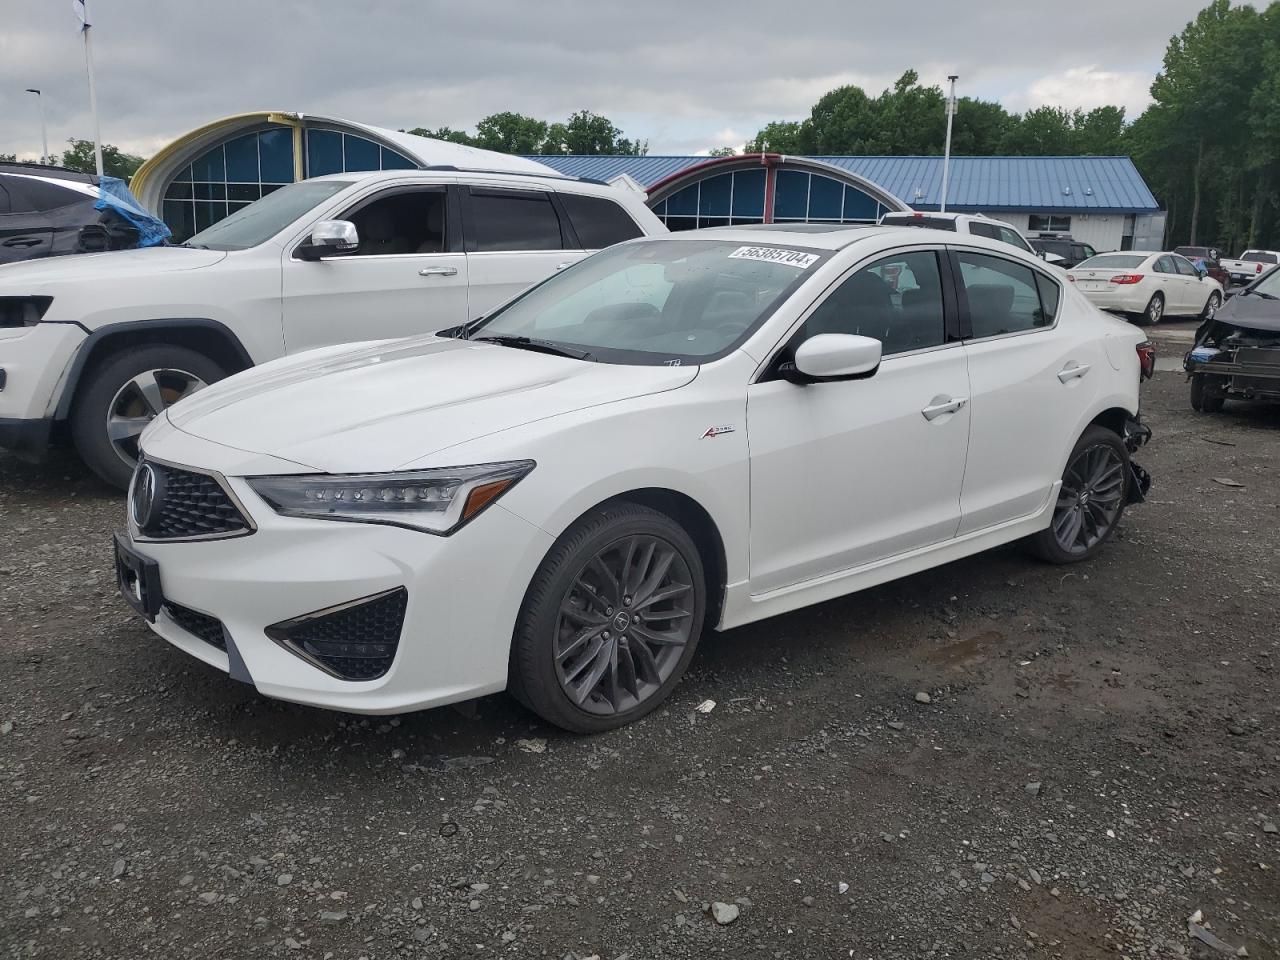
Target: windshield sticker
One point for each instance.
(791, 258)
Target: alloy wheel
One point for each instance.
(141, 400)
(1090, 500)
(623, 625)
(1211, 311)
(1155, 309)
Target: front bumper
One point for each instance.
(34, 362)
(463, 598)
(26, 438)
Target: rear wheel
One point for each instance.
(1211, 306)
(1154, 310)
(1204, 397)
(1091, 499)
(610, 621)
(124, 393)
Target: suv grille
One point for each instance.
(199, 625)
(354, 641)
(168, 503)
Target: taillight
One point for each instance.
(1146, 360)
(1127, 278)
(1259, 269)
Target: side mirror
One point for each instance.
(329, 237)
(834, 356)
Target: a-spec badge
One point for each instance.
(716, 431)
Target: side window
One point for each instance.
(599, 222)
(407, 221)
(1164, 265)
(4, 199)
(1049, 296)
(897, 300)
(512, 220)
(1003, 296)
(984, 229)
(1013, 238)
(1184, 267)
(40, 196)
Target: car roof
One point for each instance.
(837, 236)
(26, 168)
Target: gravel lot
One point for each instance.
(1095, 760)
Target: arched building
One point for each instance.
(218, 168)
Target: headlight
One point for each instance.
(436, 501)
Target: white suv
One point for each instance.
(971, 223)
(105, 342)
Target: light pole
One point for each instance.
(44, 130)
(946, 156)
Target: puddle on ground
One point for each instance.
(958, 654)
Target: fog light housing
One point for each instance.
(356, 640)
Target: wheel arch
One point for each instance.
(1112, 418)
(209, 337)
(698, 523)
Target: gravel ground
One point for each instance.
(1095, 759)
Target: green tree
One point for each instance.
(1042, 132)
(444, 133)
(115, 162)
(1100, 132)
(509, 132)
(589, 134)
(781, 136)
(722, 152)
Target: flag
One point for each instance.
(81, 7)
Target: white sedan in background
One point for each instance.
(688, 432)
(1147, 286)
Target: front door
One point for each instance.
(849, 472)
(408, 276)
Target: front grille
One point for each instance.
(199, 625)
(184, 504)
(354, 641)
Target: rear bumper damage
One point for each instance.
(1136, 433)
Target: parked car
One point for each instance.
(969, 223)
(104, 343)
(1237, 353)
(48, 211)
(681, 432)
(1251, 265)
(1147, 286)
(1068, 252)
(1209, 257)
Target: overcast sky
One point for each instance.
(686, 76)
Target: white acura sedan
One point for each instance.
(677, 433)
(1147, 286)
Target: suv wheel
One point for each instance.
(610, 621)
(124, 393)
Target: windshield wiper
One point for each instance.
(541, 346)
(193, 246)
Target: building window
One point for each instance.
(329, 151)
(1043, 223)
(731, 199)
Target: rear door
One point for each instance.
(24, 233)
(1030, 381)
(515, 237)
(408, 275)
(1176, 297)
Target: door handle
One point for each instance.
(940, 405)
(22, 242)
(1073, 371)
(438, 272)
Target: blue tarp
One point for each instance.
(152, 232)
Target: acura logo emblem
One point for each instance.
(142, 500)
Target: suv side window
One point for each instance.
(984, 229)
(1003, 296)
(4, 199)
(400, 222)
(512, 220)
(598, 222)
(896, 300)
(1083, 251)
(1013, 238)
(36, 195)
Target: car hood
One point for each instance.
(382, 405)
(146, 261)
(1247, 310)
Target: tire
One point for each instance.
(1197, 392)
(570, 662)
(1154, 310)
(1099, 511)
(1211, 306)
(110, 390)
(1205, 399)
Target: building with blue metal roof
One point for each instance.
(1102, 201)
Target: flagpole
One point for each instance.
(946, 156)
(93, 91)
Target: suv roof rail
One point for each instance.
(514, 173)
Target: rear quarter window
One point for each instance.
(37, 195)
(599, 222)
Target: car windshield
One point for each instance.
(666, 301)
(263, 219)
(1113, 261)
(1269, 285)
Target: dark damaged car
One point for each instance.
(1237, 353)
(48, 211)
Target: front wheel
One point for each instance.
(124, 393)
(1091, 499)
(610, 621)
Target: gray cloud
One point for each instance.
(686, 76)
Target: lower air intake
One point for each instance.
(353, 641)
(199, 625)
